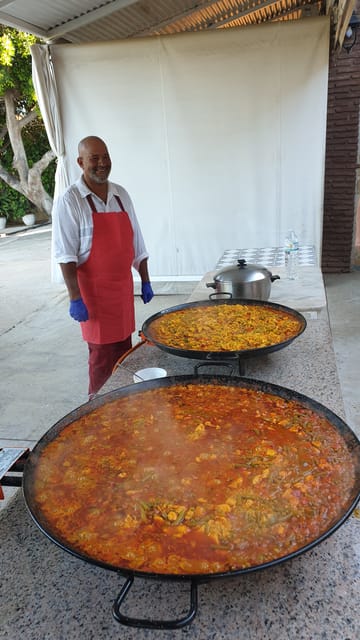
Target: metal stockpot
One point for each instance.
(243, 280)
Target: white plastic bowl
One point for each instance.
(149, 374)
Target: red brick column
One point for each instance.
(342, 139)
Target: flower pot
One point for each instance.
(29, 219)
(2, 222)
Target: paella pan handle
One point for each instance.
(143, 623)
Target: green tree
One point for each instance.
(27, 164)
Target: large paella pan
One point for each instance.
(193, 478)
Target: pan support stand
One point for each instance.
(229, 363)
(241, 366)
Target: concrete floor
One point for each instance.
(343, 299)
(47, 595)
(44, 361)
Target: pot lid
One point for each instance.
(242, 272)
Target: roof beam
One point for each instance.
(247, 8)
(345, 9)
(184, 13)
(70, 25)
(88, 18)
(223, 17)
(21, 25)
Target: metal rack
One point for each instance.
(267, 256)
(12, 462)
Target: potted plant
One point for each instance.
(3, 220)
(4, 205)
(29, 219)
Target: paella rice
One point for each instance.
(235, 327)
(192, 479)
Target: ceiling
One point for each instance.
(78, 21)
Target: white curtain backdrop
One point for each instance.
(219, 137)
(46, 91)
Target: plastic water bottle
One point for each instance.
(291, 255)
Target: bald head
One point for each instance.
(94, 159)
(87, 143)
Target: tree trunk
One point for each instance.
(28, 182)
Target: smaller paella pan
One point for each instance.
(218, 329)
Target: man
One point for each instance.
(96, 241)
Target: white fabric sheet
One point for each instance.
(219, 137)
(46, 90)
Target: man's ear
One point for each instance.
(80, 162)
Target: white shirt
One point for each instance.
(72, 225)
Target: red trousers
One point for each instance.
(102, 359)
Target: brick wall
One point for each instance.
(341, 159)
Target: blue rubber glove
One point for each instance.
(146, 292)
(78, 310)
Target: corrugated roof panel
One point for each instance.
(101, 20)
(55, 13)
(231, 13)
(145, 17)
(166, 17)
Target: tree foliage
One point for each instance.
(27, 164)
(15, 61)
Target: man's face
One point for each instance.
(95, 162)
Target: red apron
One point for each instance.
(105, 279)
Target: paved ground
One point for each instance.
(343, 301)
(43, 360)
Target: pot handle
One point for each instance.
(221, 294)
(211, 284)
(154, 624)
(274, 278)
